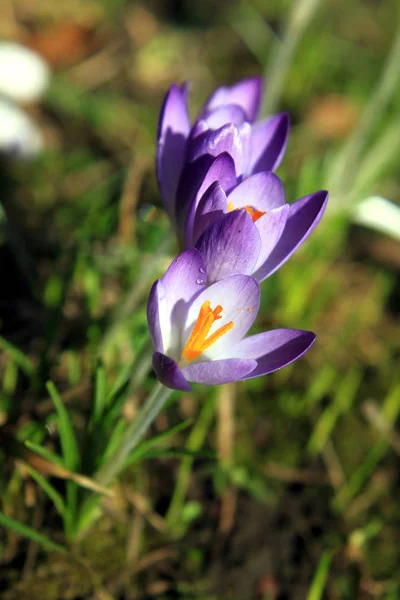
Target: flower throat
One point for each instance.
(198, 341)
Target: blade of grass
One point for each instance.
(302, 13)
(316, 590)
(71, 455)
(342, 171)
(144, 449)
(194, 444)
(48, 489)
(67, 435)
(44, 453)
(100, 394)
(23, 361)
(390, 412)
(341, 404)
(28, 532)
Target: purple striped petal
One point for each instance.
(173, 130)
(231, 113)
(270, 227)
(156, 308)
(217, 372)
(185, 278)
(303, 217)
(239, 297)
(274, 349)
(245, 93)
(228, 138)
(230, 246)
(169, 373)
(268, 143)
(196, 179)
(211, 206)
(263, 191)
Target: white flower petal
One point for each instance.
(24, 75)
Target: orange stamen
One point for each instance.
(198, 341)
(253, 212)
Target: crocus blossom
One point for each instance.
(189, 156)
(252, 230)
(198, 331)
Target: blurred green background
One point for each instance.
(285, 487)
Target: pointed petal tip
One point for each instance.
(169, 373)
(276, 349)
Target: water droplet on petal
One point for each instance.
(199, 281)
(202, 270)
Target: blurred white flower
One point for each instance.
(24, 75)
(380, 214)
(19, 136)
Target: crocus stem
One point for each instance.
(136, 430)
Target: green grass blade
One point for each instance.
(44, 453)
(144, 449)
(100, 394)
(390, 411)
(28, 532)
(67, 435)
(20, 359)
(321, 575)
(341, 404)
(48, 489)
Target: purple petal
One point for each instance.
(173, 130)
(169, 373)
(274, 349)
(183, 281)
(229, 138)
(217, 372)
(230, 113)
(263, 191)
(185, 277)
(155, 309)
(270, 227)
(196, 179)
(268, 143)
(239, 297)
(198, 128)
(211, 206)
(245, 93)
(230, 246)
(303, 217)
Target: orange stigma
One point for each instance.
(253, 212)
(198, 341)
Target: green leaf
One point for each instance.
(52, 493)
(143, 449)
(45, 453)
(20, 359)
(175, 453)
(30, 533)
(67, 435)
(321, 575)
(100, 394)
(120, 384)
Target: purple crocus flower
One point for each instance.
(199, 332)
(251, 230)
(223, 144)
